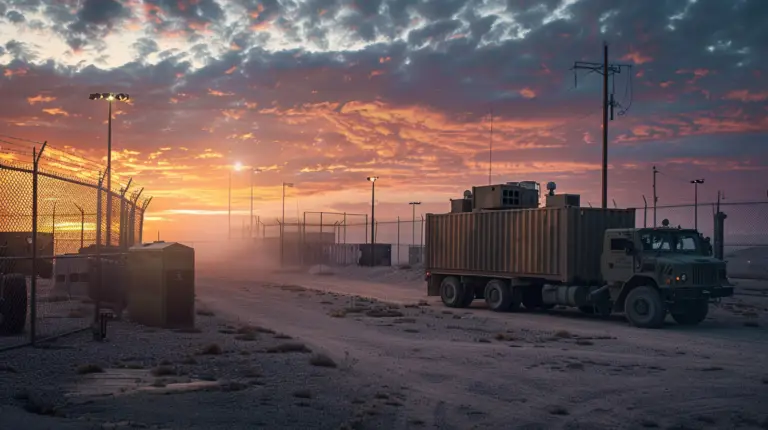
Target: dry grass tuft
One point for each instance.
(246, 337)
(558, 410)
(289, 347)
(254, 329)
(212, 349)
(294, 288)
(302, 394)
(87, 369)
(163, 371)
(189, 360)
(384, 313)
(322, 360)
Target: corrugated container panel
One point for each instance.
(557, 244)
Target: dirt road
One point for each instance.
(477, 369)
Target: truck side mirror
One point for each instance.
(629, 248)
(708, 250)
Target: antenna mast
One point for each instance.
(490, 151)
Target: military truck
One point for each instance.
(512, 254)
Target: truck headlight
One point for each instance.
(683, 277)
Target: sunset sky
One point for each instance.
(323, 93)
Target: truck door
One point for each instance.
(617, 265)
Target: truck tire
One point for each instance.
(644, 308)
(13, 304)
(500, 297)
(693, 313)
(468, 296)
(452, 292)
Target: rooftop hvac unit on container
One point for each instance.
(505, 196)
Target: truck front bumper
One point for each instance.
(698, 293)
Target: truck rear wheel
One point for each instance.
(692, 313)
(452, 292)
(500, 297)
(13, 304)
(644, 307)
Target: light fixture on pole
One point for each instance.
(696, 183)
(253, 173)
(413, 223)
(109, 97)
(282, 225)
(372, 180)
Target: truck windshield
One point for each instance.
(671, 241)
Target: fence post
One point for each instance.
(33, 281)
(421, 240)
(53, 228)
(345, 228)
(95, 329)
(82, 225)
(366, 229)
(645, 212)
(141, 222)
(719, 233)
(121, 219)
(398, 240)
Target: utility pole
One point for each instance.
(606, 70)
(655, 198)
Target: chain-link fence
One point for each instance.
(55, 242)
(745, 238)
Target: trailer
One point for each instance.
(561, 254)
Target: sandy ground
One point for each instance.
(402, 361)
(477, 369)
(224, 374)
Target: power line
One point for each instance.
(21, 139)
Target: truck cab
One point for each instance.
(652, 271)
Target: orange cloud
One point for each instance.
(9, 73)
(56, 111)
(747, 96)
(636, 57)
(217, 93)
(40, 99)
(528, 93)
(231, 70)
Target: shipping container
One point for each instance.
(560, 245)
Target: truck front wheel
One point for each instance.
(692, 313)
(644, 308)
(452, 292)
